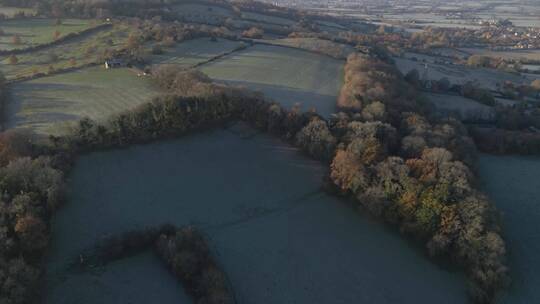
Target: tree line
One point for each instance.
(185, 252)
(413, 170)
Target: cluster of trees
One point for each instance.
(31, 190)
(253, 33)
(413, 171)
(411, 178)
(368, 79)
(522, 91)
(473, 91)
(493, 63)
(190, 259)
(185, 252)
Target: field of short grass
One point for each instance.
(486, 78)
(466, 109)
(192, 52)
(269, 223)
(287, 75)
(201, 13)
(77, 52)
(334, 49)
(514, 55)
(32, 32)
(267, 18)
(48, 104)
(11, 11)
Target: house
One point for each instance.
(113, 63)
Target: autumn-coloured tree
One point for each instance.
(12, 59)
(31, 231)
(16, 39)
(253, 33)
(535, 84)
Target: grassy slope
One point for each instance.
(279, 238)
(46, 104)
(486, 78)
(83, 50)
(467, 108)
(195, 51)
(287, 75)
(10, 11)
(314, 45)
(38, 31)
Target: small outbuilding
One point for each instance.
(113, 63)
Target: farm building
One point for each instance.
(113, 63)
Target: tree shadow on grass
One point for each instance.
(289, 97)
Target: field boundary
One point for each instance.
(222, 55)
(292, 47)
(58, 41)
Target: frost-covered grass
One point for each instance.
(287, 75)
(192, 52)
(38, 31)
(48, 104)
(513, 184)
(279, 238)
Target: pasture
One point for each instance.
(333, 49)
(35, 31)
(267, 19)
(286, 75)
(465, 109)
(457, 74)
(202, 13)
(49, 104)
(259, 202)
(11, 11)
(192, 52)
(77, 52)
(512, 55)
(513, 185)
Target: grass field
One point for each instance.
(11, 11)
(513, 55)
(513, 185)
(192, 52)
(77, 52)
(201, 13)
(287, 75)
(267, 19)
(466, 109)
(334, 49)
(38, 31)
(485, 78)
(48, 104)
(276, 234)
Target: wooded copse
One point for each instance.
(184, 250)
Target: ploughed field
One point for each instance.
(287, 75)
(32, 32)
(279, 238)
(514, 187)
(49, 104)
